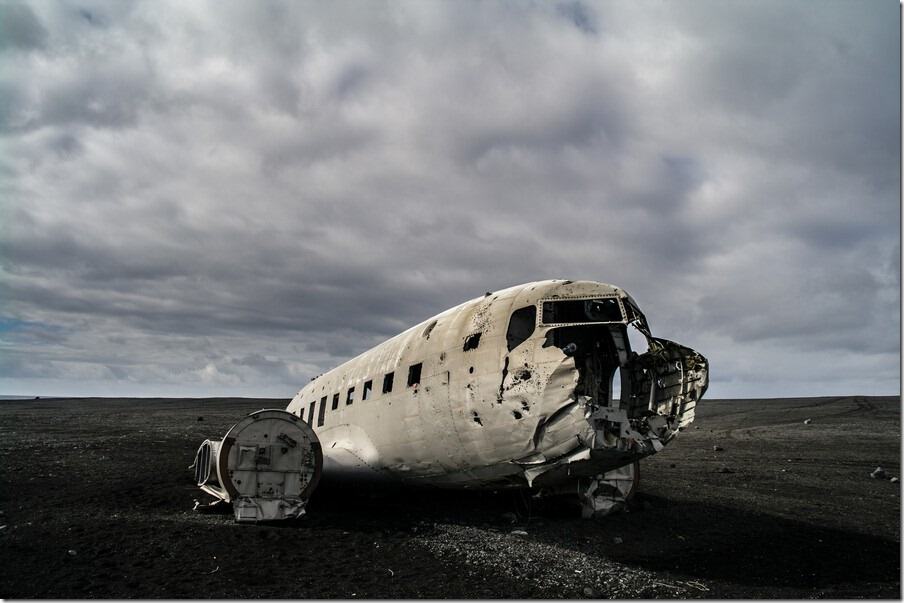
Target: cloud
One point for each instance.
(20, 29)
(233, 197)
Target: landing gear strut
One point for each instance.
(609, 492)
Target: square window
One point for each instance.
(322, 412)
(414, 374)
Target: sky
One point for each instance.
(229, 198)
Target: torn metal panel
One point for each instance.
(267, 465)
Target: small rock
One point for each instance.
(3, 527)
(894, 480)
(878, 473)
(588, 592)
(718, 449)
(672, 465)
(519, 533)
(724, 470)
(807, 421)
(200, 419)
(72, 552)
(617, 540)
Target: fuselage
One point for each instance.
(504, 389)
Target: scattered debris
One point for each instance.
(391, 573)
(510, 517)
(672, 466)
(3, 527)
(200, 419)
(807, 421)
(618, 540)
(694, 584)
(724, 470)
(215, 570)
(518, 533)
(878, 473)
(588, 591)
(718, 449)
(217, 506)
(894, 480)
(71, 552)
(665, 585)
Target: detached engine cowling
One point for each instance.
(267, 465)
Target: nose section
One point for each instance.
(668, 380)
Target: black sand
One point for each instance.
(96, 502)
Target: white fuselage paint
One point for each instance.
(473, 412)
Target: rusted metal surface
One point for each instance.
(513, 388)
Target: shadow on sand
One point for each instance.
(706, 541)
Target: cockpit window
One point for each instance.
(571, 311)
(521, 326)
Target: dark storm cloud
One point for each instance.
(233, 197)
(20, 28)
(579, 14)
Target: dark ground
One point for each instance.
(96, 501)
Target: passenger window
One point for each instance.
(521, 326)
(387, 382)
(368, 386)
(414, 374)
(311, 413)
(322, 412)
(335, 401)
(349, 398)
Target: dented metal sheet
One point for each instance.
(513, 388)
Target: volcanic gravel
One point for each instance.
(551, 569)
(751, 501)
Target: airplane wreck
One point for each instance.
(535, 386)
